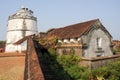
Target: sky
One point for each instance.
(60, 13)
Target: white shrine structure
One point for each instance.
(20, 24)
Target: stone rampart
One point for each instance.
(98, 61)
(32, 67)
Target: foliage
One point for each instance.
(113, 70)
(67, 66)
(41, 40)
(48, 42)
(2, 45)
(109, 72)
(2, 42)
(99, 73)
(68, 60)
(117, 50)
(52, 52)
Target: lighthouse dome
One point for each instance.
(23, 13)
(20, 24)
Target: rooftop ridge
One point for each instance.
(78, 23)
(72, 31)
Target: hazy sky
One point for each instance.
(60, 13)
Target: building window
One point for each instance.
(64, 51)
(72, 51)
(99, 51)
(99, 41)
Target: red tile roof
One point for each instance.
(72, 31)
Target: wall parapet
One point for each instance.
(11, 54)
(33, 70)
(97, 62)
(100, 58)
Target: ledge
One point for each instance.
(70, 45)
(100, 58)
(11, 54)
(19, 17)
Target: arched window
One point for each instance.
(99, 41)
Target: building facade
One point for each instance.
(21, 24)
(87, 39)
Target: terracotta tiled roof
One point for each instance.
(72, 31)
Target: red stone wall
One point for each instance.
(32, 67)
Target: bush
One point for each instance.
(67, 66)
(109, 72)
(113, 70)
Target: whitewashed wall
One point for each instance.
(92, 49)
(18, 27)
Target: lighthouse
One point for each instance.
(21, 24)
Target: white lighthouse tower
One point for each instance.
(20, 24)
